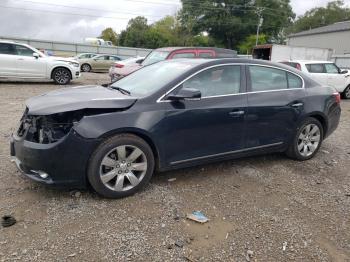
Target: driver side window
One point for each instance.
(217, 81)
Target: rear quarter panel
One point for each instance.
(320, 101)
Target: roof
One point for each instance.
(336, 27)
(171, 49)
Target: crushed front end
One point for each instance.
(47, 149)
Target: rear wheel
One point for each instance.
(121, 166)
(61, 76)
(307, 140)
(85, 68)
(346, 93)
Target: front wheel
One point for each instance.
(346, 93)
(61, 76)
(85, 68)
(121, 166)
(307, 140)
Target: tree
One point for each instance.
(321, 16)
(247, 45)
(230, 21)
(109, 35)
(135, 33)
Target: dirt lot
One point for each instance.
(266, 208)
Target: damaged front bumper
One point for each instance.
(62, 163)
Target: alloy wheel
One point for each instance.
(62, 76)
(347, 93)
(123, 168)
(85, 68)
(309, 140)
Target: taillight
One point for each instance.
(299, 67)
(118, 65)
(337, 97)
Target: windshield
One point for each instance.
(150, 79)
(154, 57)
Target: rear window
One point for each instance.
(316, 68)
(184, 55)
(154, 57)
(205, 55)
(6, 49)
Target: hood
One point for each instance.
(76, 98)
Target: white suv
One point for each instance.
(326, 73)
(21, 61)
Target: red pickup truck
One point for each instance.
(117, 72)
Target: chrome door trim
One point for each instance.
(226, 153)
(160, 99)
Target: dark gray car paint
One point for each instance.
(84, 97)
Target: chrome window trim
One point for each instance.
(226, 153)
(160, 99)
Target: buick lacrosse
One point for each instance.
(168, 115)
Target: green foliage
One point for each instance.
(230, 21)
(247, 45)
(109, 35)
(321, 16)
(135, 33)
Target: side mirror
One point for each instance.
(343, 72)
(36, 55)
(140, 61)
(184, 94)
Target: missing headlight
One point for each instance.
(51, 128)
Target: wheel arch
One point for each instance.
(140, 133)
(85, 63)
(322, 119)
(57, 67)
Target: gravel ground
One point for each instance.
(266, 208)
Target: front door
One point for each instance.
(210, 126)
(275, 103)
(335, 78)
(101, 63)
(29, 66)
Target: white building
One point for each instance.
(335, 36)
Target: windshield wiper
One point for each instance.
(121, 90)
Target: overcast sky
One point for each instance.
(87, 18)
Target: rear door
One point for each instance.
(275, 104)
(318, 73)
(7, 60)
(207, 127)
(27, 65)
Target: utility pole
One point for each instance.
(259, 11)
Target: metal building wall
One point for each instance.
(338, 41)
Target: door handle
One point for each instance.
(20, 59)
(297, 105)
(237, 113)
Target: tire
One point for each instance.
(85, 68)
(346, 93)
(120, 166)
(61, 76)
(306, 137)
